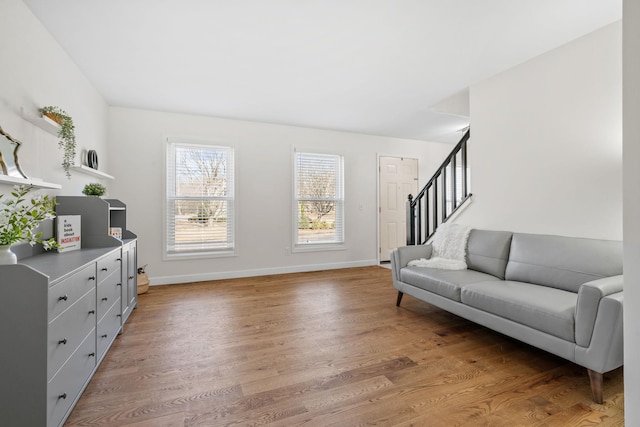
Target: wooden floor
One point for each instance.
(327, 349)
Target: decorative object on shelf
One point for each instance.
(9, 147)
(116, 232)
(66, 133)
(69, 232)
(143, 280)
(20, 217)
(92, 159)
(94, 189)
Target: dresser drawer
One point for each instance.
(63, 389)
(109, 264)
(63, 294)
(68, 330)
(108, 328)
(108, 293)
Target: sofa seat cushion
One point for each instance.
(446, 283)
(542, 308)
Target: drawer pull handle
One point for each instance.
(103, 336)
(92, 355)
(119, 259)
(62, 341)
(105, 269)
(118, 284)
(130, 277)
(63, 298)
(62, 396)
(118, 315)
(92, 278)
(105, 299)
(92, 312)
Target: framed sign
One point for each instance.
(68, 232)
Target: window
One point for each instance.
(319, 200)
(449, 189)
(199, 199)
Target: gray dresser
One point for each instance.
(60, 313)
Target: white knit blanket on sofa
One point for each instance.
(449, 248)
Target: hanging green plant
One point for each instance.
(66, 133)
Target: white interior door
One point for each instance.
(398, 179)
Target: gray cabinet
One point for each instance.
(129, 291)
(98, 217)
(48, 324)
(61, 312)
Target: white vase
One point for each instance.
(6, 256)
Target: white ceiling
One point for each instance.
(382, 67)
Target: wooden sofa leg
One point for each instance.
(596, 379)
(400, 294)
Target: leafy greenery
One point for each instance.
(20, 217)
(304, 221)
(94, 189)
(66, 133)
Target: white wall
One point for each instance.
(36, 72)
(546, 142)
(263, 190)
(631, 70)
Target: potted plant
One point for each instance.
(19, 218)
(94, 189)
(66, 133)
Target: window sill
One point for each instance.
(197, 255)
(318, 248)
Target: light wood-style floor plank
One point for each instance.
(327, 348)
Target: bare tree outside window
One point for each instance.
(319, 189)
(202, 173)
(200, 198)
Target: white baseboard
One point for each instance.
(169, 280)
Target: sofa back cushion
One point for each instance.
(488, 251)
(562, 262)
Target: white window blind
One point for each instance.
(199, 199)
(319, 194)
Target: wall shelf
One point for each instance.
(14, 180)
(43, 122)
(93, 172)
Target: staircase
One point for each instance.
(444, 194)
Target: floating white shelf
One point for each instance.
(93, 172)
(14, 180)
(43, 122)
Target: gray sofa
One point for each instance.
(560, 294)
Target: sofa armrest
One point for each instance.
(606, 350)
(589, 296)
(401, 256)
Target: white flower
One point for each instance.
(4, 218)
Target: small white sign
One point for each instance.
(69, 232)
